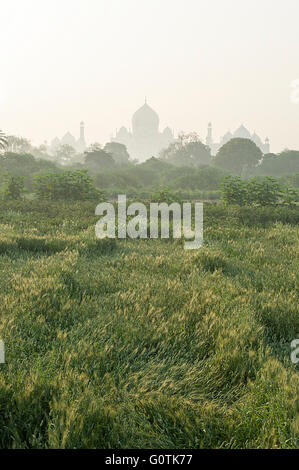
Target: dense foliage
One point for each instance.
(187, 151)
(118, 152)
(66, 186)
(257, 191)
(155, 174)
(114, 174)
(13, 187)
(286, 162)
(238, 156)
(25, 165)
(97, 159)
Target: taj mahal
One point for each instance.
(145, 140)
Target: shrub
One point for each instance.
(68, 185)
(234, 190)
(13, 187)
(205, 178)
(290, 196)
(263, 192)
(257, 192)
(165, 195)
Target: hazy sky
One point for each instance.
(225, 61)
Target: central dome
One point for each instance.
(242, 133)
(145, 120)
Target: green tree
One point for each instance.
(263, 192)
(238, 155)
(25, 165)
(18, 163)
(286, 162)
(13, 187)
(67, 185)
(234, 190)
(294, 180)
(199, 179)
(257, 192)
(98, 159)
(64, 154)
(119, 153)
(188, 150)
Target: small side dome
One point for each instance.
(123, 132)
(226, 138)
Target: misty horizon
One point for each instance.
(220, 62)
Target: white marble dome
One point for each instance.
(145, 118)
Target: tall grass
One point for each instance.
(141, 344)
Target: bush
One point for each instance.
(287, 162)
(290, 196)
(263, 192)
(13, 187)
(234, 190)
(207, 178)
(164, 195)
(25, 165)
(69, 185)
(294, 179)
(257, 192)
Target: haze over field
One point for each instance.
(229, 62)
(149, 214)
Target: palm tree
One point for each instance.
(3, 141)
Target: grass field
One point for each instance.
(141, 344)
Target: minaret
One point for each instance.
(209, 139)
(267, 145)
(82, 131)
